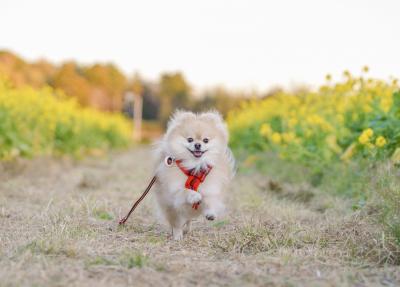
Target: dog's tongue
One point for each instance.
(197, 153)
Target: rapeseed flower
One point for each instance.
(45, 121)
(265, 130)
(320, 124)
(276, 138)
(380, 141)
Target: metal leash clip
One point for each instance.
(169, 161)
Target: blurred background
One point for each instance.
(188, 54)
(293, 78)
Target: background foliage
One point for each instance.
(44, 121)
(358, 117)
(102, 86)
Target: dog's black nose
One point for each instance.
(197, 146)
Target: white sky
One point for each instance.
(240, 44)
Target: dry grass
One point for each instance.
(58, 227)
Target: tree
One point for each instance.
(110, 80)
(174, 93)
(218, 98)
(70, 80)
(151, 102)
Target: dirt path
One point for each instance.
(58, 228)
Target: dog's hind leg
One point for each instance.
(213, 207)
(177, 222)
(188, 226)
(177, 229)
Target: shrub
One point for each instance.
(45, 121)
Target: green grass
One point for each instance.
(127, 260)
(100, 260)
(220, 223)
(49, 248)
(131, 260)
(103, 215)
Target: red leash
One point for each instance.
(193, 181)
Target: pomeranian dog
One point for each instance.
(194, 169)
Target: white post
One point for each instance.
(137, 117)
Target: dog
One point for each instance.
(198, 158)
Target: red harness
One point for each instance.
(194, 178)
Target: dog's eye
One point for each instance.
(190, 140)
(205, 140)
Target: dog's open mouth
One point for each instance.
(197, 153)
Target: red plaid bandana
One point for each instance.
(194, 178)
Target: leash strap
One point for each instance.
(124, 219)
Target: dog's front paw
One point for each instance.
(177, 234)
(210, 216)
(193, 197)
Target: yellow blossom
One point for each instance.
(386, 104)
(347, 74)
(365, 136)
(367, 108)
(288, 137)
(276, 138)
(340, 118)
(292, 122)
(369, 132)
(265, 130)
(380, 141)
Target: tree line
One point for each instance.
(103, 86)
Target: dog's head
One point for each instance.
(197, 139)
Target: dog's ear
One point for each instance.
(178, 117)
(216, 118)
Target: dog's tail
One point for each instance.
(231, 162)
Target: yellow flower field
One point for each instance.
(45, 121)
(356, 117)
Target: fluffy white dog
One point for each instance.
(198, 172)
